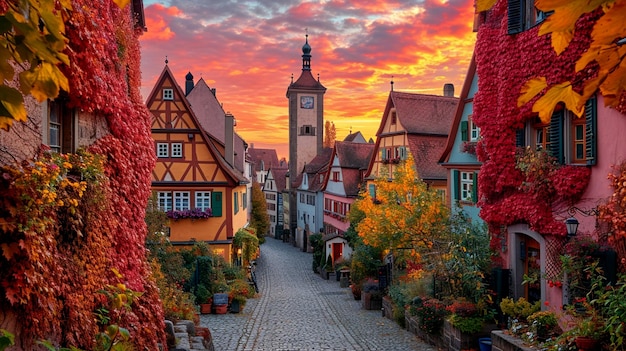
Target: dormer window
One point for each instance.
(168, 94)
(394, 117)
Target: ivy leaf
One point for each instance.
(558, 93)
(530, 89)
(9, 250)
(485, 5)
(121, 3)
(6, 339)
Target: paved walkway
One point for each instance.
(298, 310)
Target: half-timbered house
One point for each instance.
(195, 180)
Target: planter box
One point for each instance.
(451, 338)
(370, 301)
(500, 341)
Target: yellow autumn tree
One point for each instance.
(607, 49)
(405, 216)
(330, 134)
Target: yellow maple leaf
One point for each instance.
(611, 26)
(561, 39)
(614, 85)
(562, 92)
(44, 81)
(484, 5)
(530, 89)
(122, 3)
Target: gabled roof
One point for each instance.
(354, 159)
(355, 138)
(421, 113)
(318, 166)
(266, 157)
(467, 85)
(208, 110)
(208, 139)
(426, 151)
(280, 178)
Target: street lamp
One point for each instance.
(572, 227)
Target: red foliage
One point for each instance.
(504, 63)
(53, 283)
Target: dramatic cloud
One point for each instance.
(249, 50)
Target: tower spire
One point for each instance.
(306, 53)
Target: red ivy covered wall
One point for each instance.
(54, 287)
(504, 63)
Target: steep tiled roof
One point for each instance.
(280, 177)
(426, 151)
(306, 81)
(208, 109)
(267, 157)
(354, 155)
(355, 137)
(424, 114)
(318, 165)
(353, 160)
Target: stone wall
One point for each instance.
(451, 338)
(504, 342)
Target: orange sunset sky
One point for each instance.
(248, 50)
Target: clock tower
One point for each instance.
(306, 115)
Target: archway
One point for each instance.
(527, 256)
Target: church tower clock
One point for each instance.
(306, 115)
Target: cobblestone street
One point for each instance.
(298, 310)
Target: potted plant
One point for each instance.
(237, 303)
(371, 296)
(203, 298)
(588, 332)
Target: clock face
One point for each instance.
(306, 102)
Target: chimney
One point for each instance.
(213, 91)
(448, 89)
(188, 83)
(229, 139)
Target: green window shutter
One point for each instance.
(456, 185)
(464, 135)
(591, 116)
(403, 152)
(383, 154)
(372, 190)
(216, 203)
(520, 137)
(236, 202)
(516, 16)
(475, 188)
(556, 147)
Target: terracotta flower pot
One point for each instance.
(585, 343)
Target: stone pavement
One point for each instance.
(298, 310)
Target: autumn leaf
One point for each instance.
(530, 89)
(12, 106)
(614, 85)
(558, 93)
(484, 5)
(9, 250)
(44, 81)
(122, 3)
(611, 26)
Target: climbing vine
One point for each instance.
(65, 220)
(510, 194)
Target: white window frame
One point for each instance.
(168, 94)
(473, 130)
(177, 150)
(162, 150)
(165, 200)
(181, 200)
(467, 185)
(203, 200)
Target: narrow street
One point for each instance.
(298, 310)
